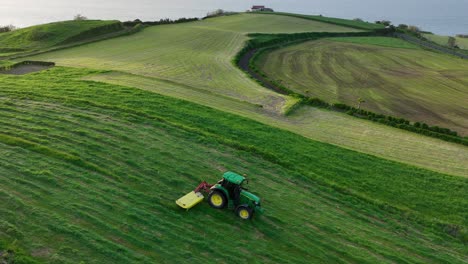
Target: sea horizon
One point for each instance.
(447, 19)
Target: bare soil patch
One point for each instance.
(25, 69)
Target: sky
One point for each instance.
(448, 16)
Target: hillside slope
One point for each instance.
(462, 43)
(52, 34)
(192, 61)
(333, 20)
(198, 54)
(398, 80)
(90, 172)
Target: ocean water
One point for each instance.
(446, 17)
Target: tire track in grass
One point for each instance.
(220, 221)
(63, 209)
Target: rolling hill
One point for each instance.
(90, 171)
(462, 43)
(393, 77)
(94, 152)
(333, 20)
(193, 61)
(53, 34)
(197, 54)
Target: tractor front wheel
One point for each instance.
(217, 199)
(244, 212)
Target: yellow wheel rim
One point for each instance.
(216, 199)
(244, 214)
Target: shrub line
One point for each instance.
(255, 47)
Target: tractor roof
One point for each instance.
(233, 177)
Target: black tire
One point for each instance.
(244, 212)
(217, 199)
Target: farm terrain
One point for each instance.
(193, 62)
(462, 43)
(94, 152)
(46, 36)
(90, 171)
(392, 76)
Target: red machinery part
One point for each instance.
(203, 186)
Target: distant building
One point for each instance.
(259, 8)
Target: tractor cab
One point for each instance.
(231, 192)
(233, 183)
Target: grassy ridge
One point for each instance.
(90, 171)
(193, 61)
(411, 83)
(198, 54)
(341, 129)
(335, 21)
(52, 34)
(379, 41)
(462, 43)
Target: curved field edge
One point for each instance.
(263, 43)
(206, 72)
(99, 36)
(378, 41)
(332, 20)
(462, 43)
(197, 54)
(413, 100)
(262, 140)
(323, 125)
(54, 34)
(90, 171)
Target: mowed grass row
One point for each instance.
(404, 81)
(379, 41)
(193, 62)
(90, 171)
(337, 21)
(318, 124)
(198, 54)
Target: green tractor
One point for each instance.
(229, 192)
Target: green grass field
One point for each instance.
(93, 157)
(90, 172)
(48, 35)
(337, 21)
(197, 54)
(394, 78)
(379, 41)
(326, 126)
(193, 62)
(443, 40)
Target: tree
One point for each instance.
(384, 22)
(358, 19)
(451, 43)
(7, 28)
(403, 26)
(217, 12)
(416, 30)
(80, 17)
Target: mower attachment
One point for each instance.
(194, 197)
(190, 200)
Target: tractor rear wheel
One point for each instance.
(244, 212)
(217, 199)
